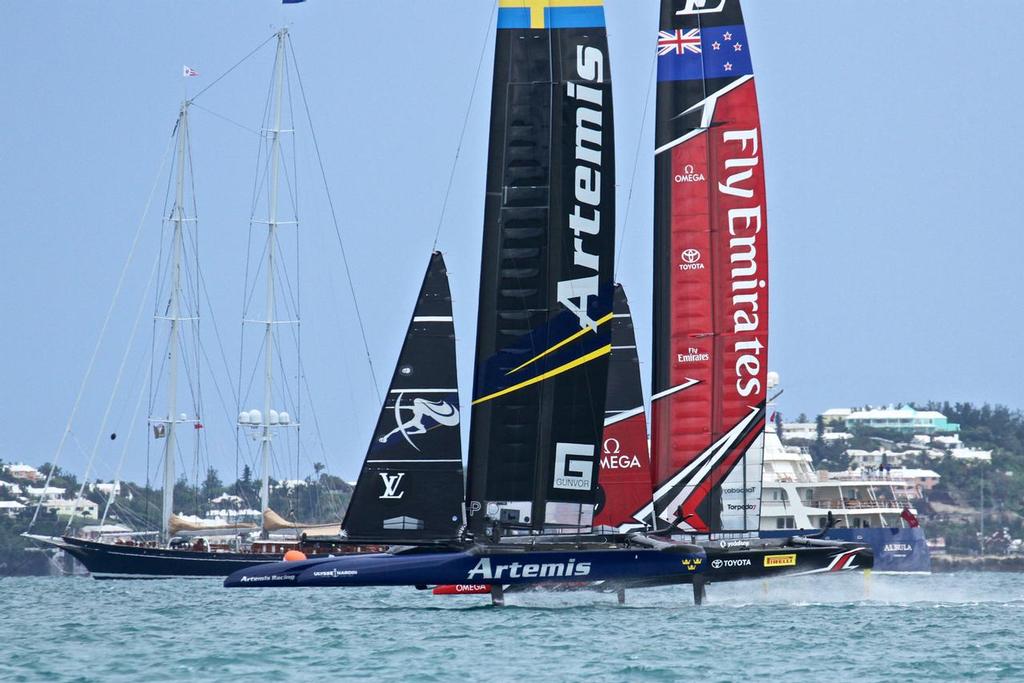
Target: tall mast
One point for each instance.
(268, 341)
(174, 315)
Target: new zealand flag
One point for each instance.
(703, 53)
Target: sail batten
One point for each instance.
(711, 278)
(546, 279)
(410, 488)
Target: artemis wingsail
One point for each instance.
(543, 337)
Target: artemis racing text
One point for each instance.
(518, 570)
(585, 219)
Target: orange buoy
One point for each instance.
(294, 556)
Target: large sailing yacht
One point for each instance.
(185, 548)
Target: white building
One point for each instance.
(64, 507)
(919, 480)
(10, 508)
(904, 419)
(45, 491)
(971, 454)
(227, 498)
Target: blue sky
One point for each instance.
(892, 154)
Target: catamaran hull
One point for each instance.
(480, 567)
(764, 563)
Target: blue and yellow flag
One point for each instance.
(526, 14)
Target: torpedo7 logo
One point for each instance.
(701, 7)
(574, 466)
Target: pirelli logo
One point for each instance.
(780, 560)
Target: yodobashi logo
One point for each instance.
(391, 484)
(734, 544)
(738, 489)
(742, 562)
(574, 466)
(701, 7)
(693, 355)
(585, 219)
(519, 570)
(690, 175)
(613, 459)
(744, 225)
(690, 260)
(897, 548)
(780, 560)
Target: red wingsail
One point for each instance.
(711, 273)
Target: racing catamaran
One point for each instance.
(543, 340)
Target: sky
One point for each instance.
(893, 163)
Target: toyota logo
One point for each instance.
(690, 256)
(717, 564)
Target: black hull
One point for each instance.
(762, 563)
(113, 561)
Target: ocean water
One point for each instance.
(948, 627)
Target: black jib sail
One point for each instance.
(711, 273)
(543, 337)
(411, 486)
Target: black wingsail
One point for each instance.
(625, 458)
(410, 489)
(543, 337)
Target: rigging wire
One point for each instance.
(337, 229)
(465, 125)
(103, 331)
(124, 453)
(226, 119)
(237, 64)
(636, 164)
(110, 402)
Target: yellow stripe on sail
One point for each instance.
(537, 7)
(560, 344)
(551, 373)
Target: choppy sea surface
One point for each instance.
(947, 627)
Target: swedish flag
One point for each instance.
(550, 14)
